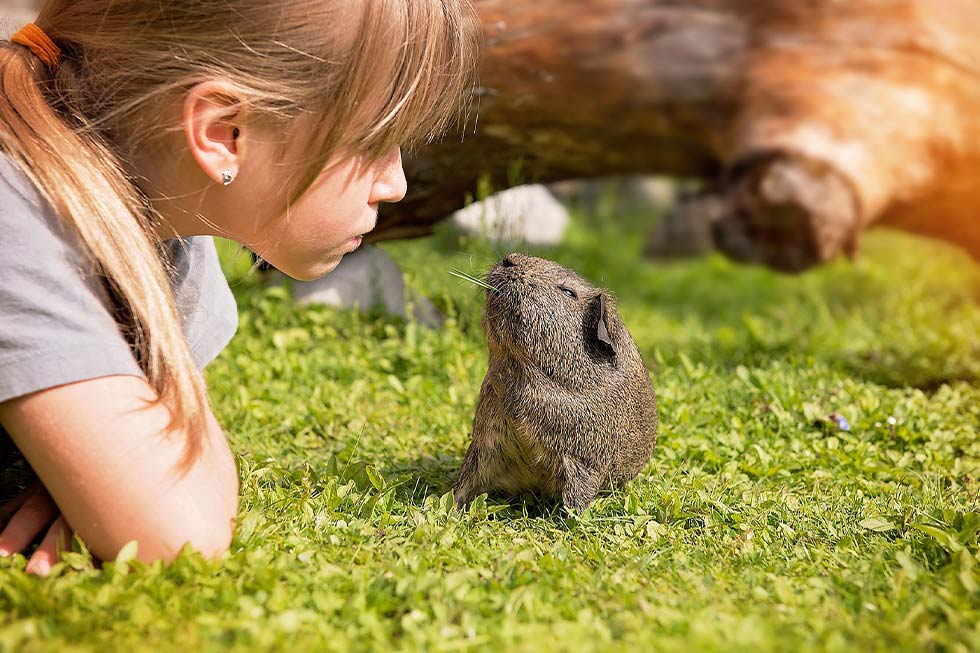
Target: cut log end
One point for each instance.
(789, 212)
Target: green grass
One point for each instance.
(758, 526)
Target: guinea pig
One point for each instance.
(567, 407)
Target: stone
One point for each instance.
(619, 196)
(364, 280)
(687, 229)
(525, 214)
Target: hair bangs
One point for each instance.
(403, 80)
(409, 81)
(431, 77)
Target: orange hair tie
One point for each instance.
(33, 37)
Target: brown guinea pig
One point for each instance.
(567, 407)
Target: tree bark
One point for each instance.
(820, 119)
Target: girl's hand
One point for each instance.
(111, 460)
(29, 515)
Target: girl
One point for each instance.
(130, 133)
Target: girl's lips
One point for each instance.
(355, 242)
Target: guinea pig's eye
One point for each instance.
(568, 291)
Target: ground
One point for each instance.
(760, 525)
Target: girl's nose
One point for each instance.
(390, 184)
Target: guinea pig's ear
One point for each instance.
(603, 339)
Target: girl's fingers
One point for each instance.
(31, 518)
(56, 541)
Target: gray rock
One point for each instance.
(525, 214)
(364, 280)
(687, 230)
(616, 196)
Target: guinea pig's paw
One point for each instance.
(466, 498)
(577, 504)
(580, 486)
(460, 500)
(574, 514)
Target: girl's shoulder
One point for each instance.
(56, 315)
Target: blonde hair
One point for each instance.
(373, 74)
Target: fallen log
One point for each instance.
(817, 119)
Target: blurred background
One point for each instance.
(772, 133)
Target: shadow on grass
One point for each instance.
(425, 476)
(900, 370)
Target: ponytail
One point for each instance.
(80, 175)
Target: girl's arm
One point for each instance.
(103, 452)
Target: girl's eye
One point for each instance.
(568, 291)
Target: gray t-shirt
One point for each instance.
(56, 325)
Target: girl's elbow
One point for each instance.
(209, 533)
(207, 527)
(215, 506)
(211, 530)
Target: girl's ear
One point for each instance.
(213, 126)
(602, 336)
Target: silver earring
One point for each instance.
(226, 177)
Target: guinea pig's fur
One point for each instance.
(567, 407)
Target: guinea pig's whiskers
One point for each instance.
(459, 274)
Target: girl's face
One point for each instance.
(304, 239)
(308, 238)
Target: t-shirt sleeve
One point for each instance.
(205, 304)
(55, 327)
